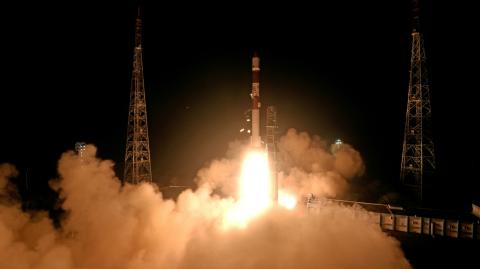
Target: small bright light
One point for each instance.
(241, 130)
(248, 131)
(338, 141)
(286, 200)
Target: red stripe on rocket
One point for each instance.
(256, 141)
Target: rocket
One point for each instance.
(256, 141)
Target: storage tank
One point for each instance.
(466, 230)
(401, 223)
(387, 221)
(415, 224)
(451, 228)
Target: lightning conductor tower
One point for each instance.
(80, 149)
(137, 155)
(418, 159)
(271, 143)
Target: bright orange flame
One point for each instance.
(287, 200)
(255, 190)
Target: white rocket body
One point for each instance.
(256, 141)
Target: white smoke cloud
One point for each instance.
(27, 241)
(336, 237)
(309, 167)
(328, 184)
(6, 171)
(110, 226)
(348, 162)
(222, 173)
(305, 152)
(306, 165)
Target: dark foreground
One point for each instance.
(424, 251)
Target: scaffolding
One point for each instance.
(271, 143)
(137, 154)
(418, 158)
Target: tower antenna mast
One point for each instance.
(137, 154)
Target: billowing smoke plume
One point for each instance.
(6, 171)
(306, 165)
(284, 239)
(26, 240)
(223, 173)
(109, 226)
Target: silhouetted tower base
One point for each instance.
(418, 158)
(137, 154)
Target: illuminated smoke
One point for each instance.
(307, 165)
(255, 190)
(287, 200)
(27, 241)
(108, 226)
(222, 174)
(6, 171)
(337, 237)
(348, 162)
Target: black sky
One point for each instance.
(333, 68)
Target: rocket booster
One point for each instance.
(256, 141)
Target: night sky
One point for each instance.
(335, 69)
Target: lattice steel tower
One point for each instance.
(137, 155)
(271, 142)
(418, 158)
